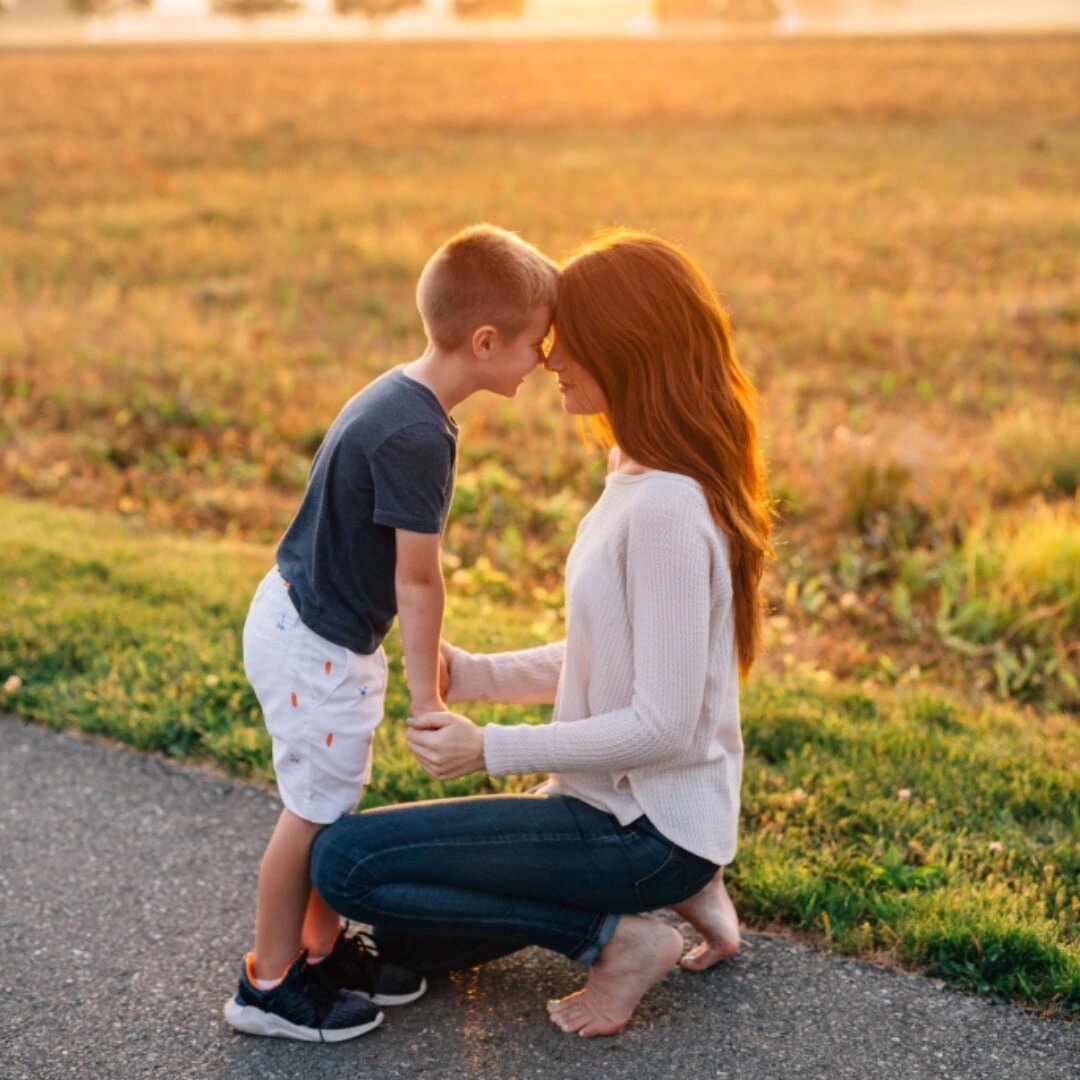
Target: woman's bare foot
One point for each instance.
(640, 953)
(712, 914)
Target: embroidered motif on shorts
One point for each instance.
(328, 667)
(281, 623)
(294, 699)
(330, 739)
(294, 759)
(363, 691)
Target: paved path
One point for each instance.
(126, 886)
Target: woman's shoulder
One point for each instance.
(655, 486)
(664, 500)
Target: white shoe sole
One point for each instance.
(254, 1021)
(397, 999)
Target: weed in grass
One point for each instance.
(1041, 448)
(1011, 595)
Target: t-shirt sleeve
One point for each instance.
(412, 473)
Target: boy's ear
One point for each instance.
(484, 339)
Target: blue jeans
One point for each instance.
(456, 882)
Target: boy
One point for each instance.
(363, 547)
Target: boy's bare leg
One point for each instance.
(321, 926)
(712, 914)
(284, 897)
(640, 953)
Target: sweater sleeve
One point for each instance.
(669, 575)
(523, 677)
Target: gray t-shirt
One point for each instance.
(386, 463)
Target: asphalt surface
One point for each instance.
(126, 893)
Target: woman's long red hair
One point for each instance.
(644, 321)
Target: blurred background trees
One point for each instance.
(487, 8)
(105, 7)
(374, 9)
(766, 11)
(250, 9)
(762, 11)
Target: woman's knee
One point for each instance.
(333, 859)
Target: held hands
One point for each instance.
(446, 745)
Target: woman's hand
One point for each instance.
(446, 745)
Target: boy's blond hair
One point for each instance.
(483, 276)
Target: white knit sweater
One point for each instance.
(646, 684)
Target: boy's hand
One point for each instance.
(446, 745)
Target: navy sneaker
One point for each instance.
(354, 964)
(304, 1005)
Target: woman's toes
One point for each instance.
(705, 955)
(696, 959)
(569, 1014)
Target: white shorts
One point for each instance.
(320, 701)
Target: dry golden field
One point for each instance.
(203, 252)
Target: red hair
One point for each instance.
(645, 323)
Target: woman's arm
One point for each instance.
(522, 677)
(449, 745)
(669, 583)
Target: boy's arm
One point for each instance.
(421, 596)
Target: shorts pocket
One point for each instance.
(318, 668)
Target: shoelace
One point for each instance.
(366, 941)
(361, 953)
(321, 992)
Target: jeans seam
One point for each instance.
(555, 929)
(471, 841)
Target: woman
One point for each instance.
(663, 613)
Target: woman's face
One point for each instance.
(581, 393)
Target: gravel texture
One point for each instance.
(126, 894)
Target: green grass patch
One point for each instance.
(914, 825)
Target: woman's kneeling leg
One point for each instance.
(542, 870)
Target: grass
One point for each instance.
(204, 252)
(901, 824)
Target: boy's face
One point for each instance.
(512, 359)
